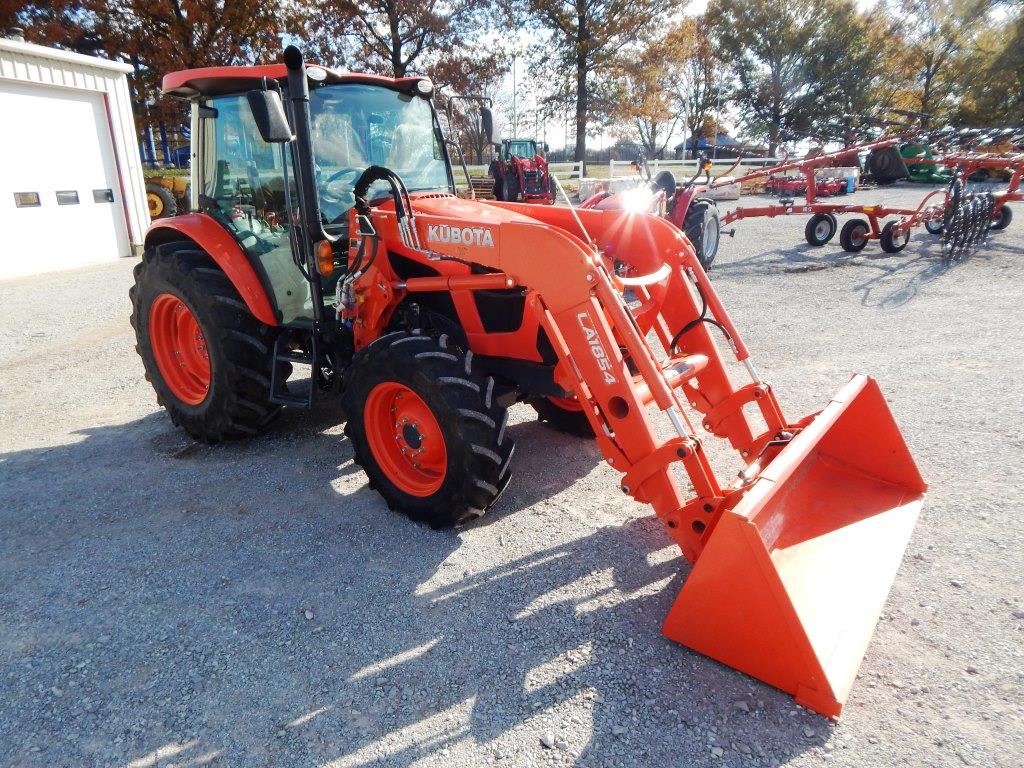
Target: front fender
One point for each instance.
(209, 235)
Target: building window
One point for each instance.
(103, 195)
(67, 197)
(26, 199)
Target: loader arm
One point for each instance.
(779, 587)
(607, 350)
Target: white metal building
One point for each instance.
(71, 186)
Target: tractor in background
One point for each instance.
(167, 195)
(520, 172)
(687, 205)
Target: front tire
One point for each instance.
(511, 187)
(703, 229)
(821, 228)
(429, 433)
(208, 358)
(161, 201)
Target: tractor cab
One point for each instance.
(524, 148)
(250, 185)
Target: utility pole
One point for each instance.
(515, 114)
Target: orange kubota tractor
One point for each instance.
(326, 232)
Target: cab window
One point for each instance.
(525, 149)
(248, 185)
(355, 126)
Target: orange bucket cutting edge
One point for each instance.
(791, 582)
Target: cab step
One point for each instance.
(297, 394)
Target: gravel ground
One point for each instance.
(255, 604)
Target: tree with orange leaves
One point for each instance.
(404, 37)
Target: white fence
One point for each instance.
(687, 168)
(561, 170)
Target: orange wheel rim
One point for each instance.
(179, 347)
(405, 439)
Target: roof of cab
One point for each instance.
(215, 81)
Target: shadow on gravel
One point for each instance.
(898, 278)
(799, 259)
(167, 602)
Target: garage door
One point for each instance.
(60, 202)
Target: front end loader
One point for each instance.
(327, 236)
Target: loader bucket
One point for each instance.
(791, 582)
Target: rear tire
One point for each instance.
(703, 229)
(562, 415)
(889, 241)
(511, 187)
(1005, 217)
(886, 165)
(238, 348)
(821, 228)
(161, 201)
(446, 458)
(854, 235)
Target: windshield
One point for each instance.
(522, 149)
(356, 126)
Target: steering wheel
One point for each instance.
(348, 170)
(336, 202)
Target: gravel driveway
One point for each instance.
(255, 604)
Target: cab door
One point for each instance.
(248, 186)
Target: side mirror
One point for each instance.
(487, 126)
(546, 149)
(268, 112)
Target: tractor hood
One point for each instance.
(529, 163)
(465, 228)
(470, 229)
(463, 211)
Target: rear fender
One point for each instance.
(209, 235)
(684, 198)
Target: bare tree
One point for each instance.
(403, 37)
(585, 37)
